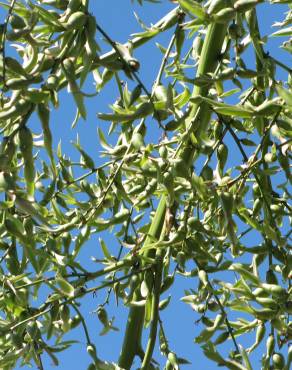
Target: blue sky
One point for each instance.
(117, 18)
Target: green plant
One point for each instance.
(177, 216)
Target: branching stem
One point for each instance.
(210, 56)
(81, 293)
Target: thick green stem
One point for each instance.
(132, 339)
(155, 311)
(210, 56)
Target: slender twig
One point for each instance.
(287, 205)
(129, 220)
(228, 325)
(288, 234)
(108, 187)
(218, 142)
(280, 64)
(248, 96)
(40, 363)
(131, 70)
(163, 63)
(80, 293)
(245, 157)
(83, 277)
(185, 59)
(163, 333)
(284, 143)
(82, 177)
(243, 233)
(238, 142)
(86, 332)
(150, 98)
(126, 65)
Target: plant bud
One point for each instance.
(52, 82)
(102, 316)
(137, 140)
(257, 205)
(76, 21)
(270, 345)
(278, 360)
(17, 22)
(163, 152)
(26, 148)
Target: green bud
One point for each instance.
(278, 360)
(137, 140)
(76, 21)
(163, 152)
(102, 316)
(17, 22)
(257, 205)
(270, 345)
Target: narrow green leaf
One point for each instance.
(283, 32)
(86, 159)
(105, 250)
(143, 110)
(226, 109)
(193, 8)
(285, 94)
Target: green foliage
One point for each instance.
(48, 213)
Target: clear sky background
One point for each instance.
(117, 18)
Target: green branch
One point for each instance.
(80, 293)
(86, 332)
(135, 321)
(83, 277)
(168, 21)
(210, 57)
(154, 311)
